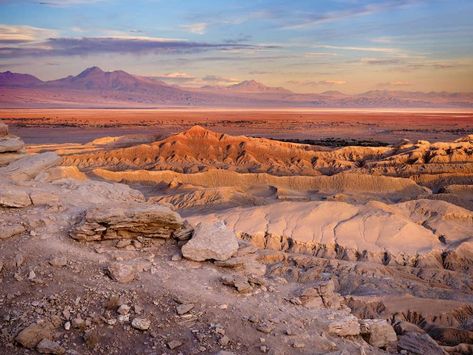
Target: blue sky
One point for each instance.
(306, 46)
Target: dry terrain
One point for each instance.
(354, 236)
(83, 125)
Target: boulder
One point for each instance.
(377, 332)
(344, 326)
(211, 241)
(10, 144)
(322, 293)
(418, 343)
(14, 197)
(33, 334)
(121, 273)
(239, 282)
(141, 323)
(126, 221)
(403, 327)
(30, 166)
(47, 346)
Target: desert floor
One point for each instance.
(38, 126)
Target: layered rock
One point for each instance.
(11, 147)
(30, 166)
(127, 221)
(13, 196)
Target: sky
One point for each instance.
(306, 46)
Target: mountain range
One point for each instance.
(97, 88)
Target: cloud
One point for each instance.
(329, 82)
(381, 61)
(398, 83)
(215, 79)
(64, 3)
(19, 34)
(360, 49)
(319, 54)
(175, 77)
(332, 82)
(313, 19)
(116, 44)
(198, 28)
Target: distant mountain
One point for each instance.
(252, 86)
(247, 87)
(14, 79)
(95, 78)
(96, 88)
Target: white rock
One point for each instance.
(11, 144)
(141, 323)
(211, 242)
(30, 166)
(344, 326)
(121, 273)
(14, 197)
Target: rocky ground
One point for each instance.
(88, 266)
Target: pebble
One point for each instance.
(123, 243)
(19, 260)
(176, 257)
(298, 345)
(141, 323)
(123, 309)
(184, 308)
(173, 344)
(58, 261)
(264, 328)
(224, 341)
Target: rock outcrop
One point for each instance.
(127, 221)
(30, 166)
(11, 147)
(377, 332)
(211, 242)
(13, 196)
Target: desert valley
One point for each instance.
(204, 241)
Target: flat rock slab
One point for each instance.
(30, 166)
(10, 144)
(127, 221)
(344, 326)
(11, 231)
(13, 197)
(211, 241)
(417, 343)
